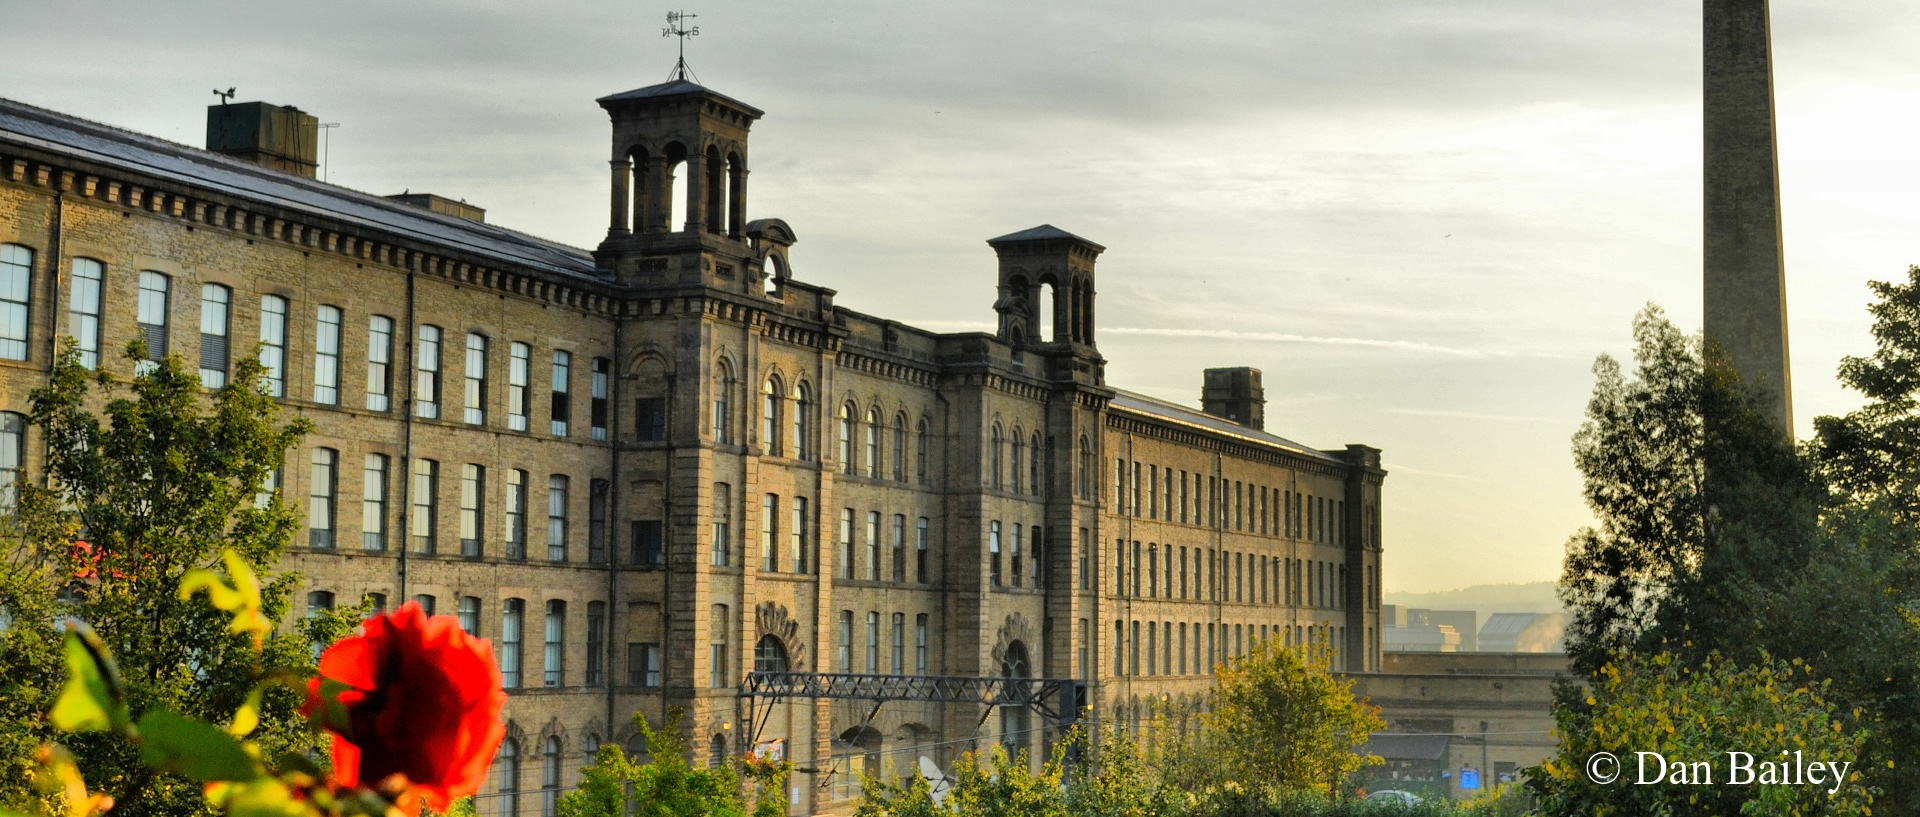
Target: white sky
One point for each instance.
(1422, 220)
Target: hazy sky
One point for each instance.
(1422, 220)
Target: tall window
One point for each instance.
(920, 644)
(556, 647)
(1016, 557)
(512, 615)
(596, 642)
(475, 392)
(1034, 463)
(516, 514)
(898, 637)
(320, 489)
(373, 504)
(873, 443)
(379, 363)
(473, 494)
(650, 419)
(770, 393)
(597, 413)
(873, 546)
(649, 542)
(722, 523)
(426, 506)
(557, 489)
(1019, 459)
(326, 353)
(151, 314)
(846, 543)
(550, 778)
(994, 455)
(843, 658)
(802, 419)
(770, 533)
(215, 322)
(900, 448)
(13, 455)
(643, 664)
(920, 550)
(798, 535)
(83, 310)
(899, 547)
(722, 403)
(873, 643)
(426, 375)
(273, 341)
(598, 492)
(519, 359)
(717, 648)
(561, 402)
(993, 551)
(920, 448)
(426, 603)
(16, 292)
(470, 615)
(846, 438)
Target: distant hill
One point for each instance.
(1487, 599)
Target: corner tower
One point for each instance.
(1745, 279)
(1040, 262)
(678, 146)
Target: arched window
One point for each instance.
(506, 779)
(873, 442)
(770, 395)
(1015, 719)
(993, 458)
(722, 403)
(1019, 457)
(900, 448)
(13, 455)
(770, 655)
(846, 437)
(802, 421)
(1086, 468)
(1034, 462)
(921, 448)
(550, 779)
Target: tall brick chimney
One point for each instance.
(281, 137)
(1235, 394)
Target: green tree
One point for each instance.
(1872, 454)
(136, 493)
(1109, 780)
(1280, 719)
(1698, 712)
(669, 785)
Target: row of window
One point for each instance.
(1243, 578)
(1180, 648)
(895, 645)
(1029, 461)
(424, 519)
(1155, 492)
(510, 643)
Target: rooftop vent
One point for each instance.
(1235, 394)
(280, 137)
(441, 204)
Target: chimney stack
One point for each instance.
(283, 138)
(1235, 394)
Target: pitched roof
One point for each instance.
(1176, 413)
(675, 88)
(105, 145)
(1042, 232)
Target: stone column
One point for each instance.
(617, 220)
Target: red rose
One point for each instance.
(423, 700)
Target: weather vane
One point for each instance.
(677, 27)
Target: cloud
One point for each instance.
(1287, 337)
(1469, 415)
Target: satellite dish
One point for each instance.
(937, 780)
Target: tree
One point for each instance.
(1280, 719)
(137, 493)
(1110, 780)
(1692, 713)
(1872, 454)
(669, 785)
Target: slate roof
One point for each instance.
(1183, 415)
(108, 146)
(675, 88)
(1044, 231)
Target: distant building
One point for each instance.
(1413, 629)
(1524, 632)
(1425, 638)
(1447, 713)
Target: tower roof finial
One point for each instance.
(677, 27)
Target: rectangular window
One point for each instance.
(1153, 571)
(1183, 571)
(273, 341)
(798, 534)
(426, 603)
(512, 616)
(846, 543)
(993, 553)
(426, 505)
(899, 644)
(1137, 568)
(650, 419)
(516, 514)
(1120, 567)
(552, 661)
(557, 491)
(873, 546)
(899, 547)
(843, 657)
(373, 504)
(920, 550)
(1133, 649)
(1153, 492)
(470, 615)
(561, 404)
(770, 533)
(426, 376)
(920, 644)
(873, 643)
(83, 310)
(326, 355)
(596, 642)
(602, 382)
(1015, 555)
(151, 314)
(1183, 497)
(1119, 487)
(473, 494)
(474, 395)
(1086, 557)
(320, 489)
(1134, 491)
(16, 292)
(722, 523)
(379, 363)
(1152, 654)
(1086, 649)
(215, 321)
(519, 360)
(649, 542)
(597, 497)
(643, 665)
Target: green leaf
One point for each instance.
(193, 749)
(247, 717)
(265, 797)
(87, 703)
